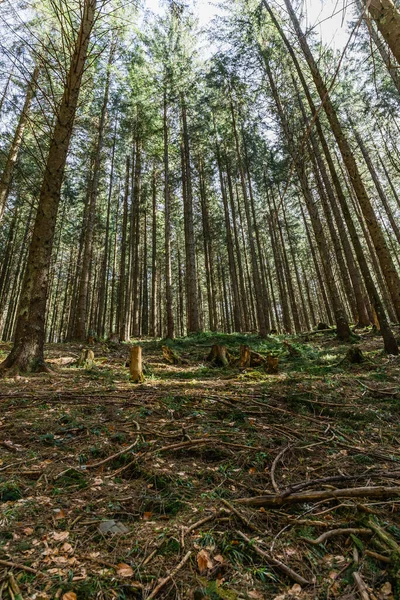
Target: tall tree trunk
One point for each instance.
(387, 19)
(382, 250)
(122, 295)
(378, 185)
(342, 326)
(167, 220)
(193, 323)
(244, 300)
(259, 304)
(231, 255)
(101, 315)
(390, 64)
(153, 309)
(81, 324)
(145, 288)
(27, 353)
(7, 175)
(135, 241)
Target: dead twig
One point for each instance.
(315, 496)
(174, 571)
(123, 451)
(334, 532)
(18, 566)
(380, 557)
(362, 588)
(275, 562)
(274, 465)
(241, 517)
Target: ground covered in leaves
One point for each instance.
(203, 482)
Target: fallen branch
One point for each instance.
(362, 588)
(385, 537)
(18, 566)
(338, 478)
(274, 465)
(334, 532)
(174, 571)
(203, 521)
(123, 451)
(380, 557)
(275, 562)
(315, 496)
(240, 516)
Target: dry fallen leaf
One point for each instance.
(386, 589)
(219, 558)
(124, 570)
(60, 536)
(204, 561)
(70, 596)
(28, 530)
(256, 595)
(295, 590)
(67, 548)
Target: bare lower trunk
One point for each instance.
(27, 353)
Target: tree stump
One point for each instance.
(355, 356)
(245, 357)
(294, 352)
(171, 356)
(271, 364)
(135, 365)
(86, 358)
(218, 356)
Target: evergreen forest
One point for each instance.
(199, 299)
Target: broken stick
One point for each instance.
(174, 571)
(275, 562)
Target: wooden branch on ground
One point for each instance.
(18, 566)
(123, 451)
(315, 496)
(174, 571)
(385, 537)
(203, 521)
(241, 517)
(380, 557)
(362, 588)
(334, 532)
(275, 562)
(274, 465)
(338, 478)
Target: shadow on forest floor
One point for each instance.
(83, 448)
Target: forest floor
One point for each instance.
(107, 487)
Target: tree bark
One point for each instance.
(167, 234)
(193, 323)
(387, 19)
(383, 253)
(27, 353)
(81, 318)
(7, 175)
